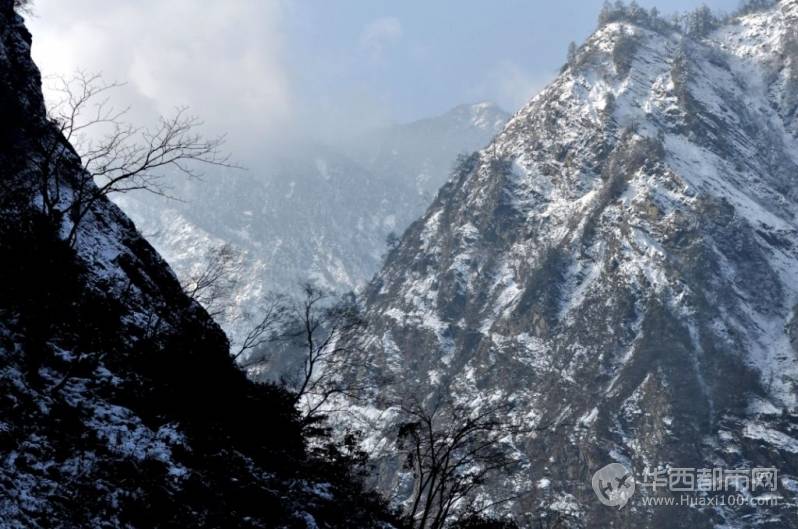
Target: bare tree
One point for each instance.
(267, 329)
(317, 336)
(450, 450)
(213, 281)
(116, 156)
(325, 330)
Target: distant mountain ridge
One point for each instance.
(427, 148)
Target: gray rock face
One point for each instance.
(621, 263)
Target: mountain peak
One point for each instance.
(620, 262)
(484, 115)
(480, 107)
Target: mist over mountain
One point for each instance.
(426, 149)
(313, 212)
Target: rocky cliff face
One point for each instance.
(119, 403)
(621, 263)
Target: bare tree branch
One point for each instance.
(324, 328)
(451, 450)
(116, 157)
(272, 317)
(214, 279)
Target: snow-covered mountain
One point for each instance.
(621, 264)
(120, 405)
(313, 211)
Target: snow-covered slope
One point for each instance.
(119, 403)
(621, 263)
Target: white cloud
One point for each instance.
(222, 59)
(379, 33)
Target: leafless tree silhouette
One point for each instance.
(116, 157)
(324, 332)
(450, 450)
(268, 327)
(214, 279)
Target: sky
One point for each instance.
(261, 70)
